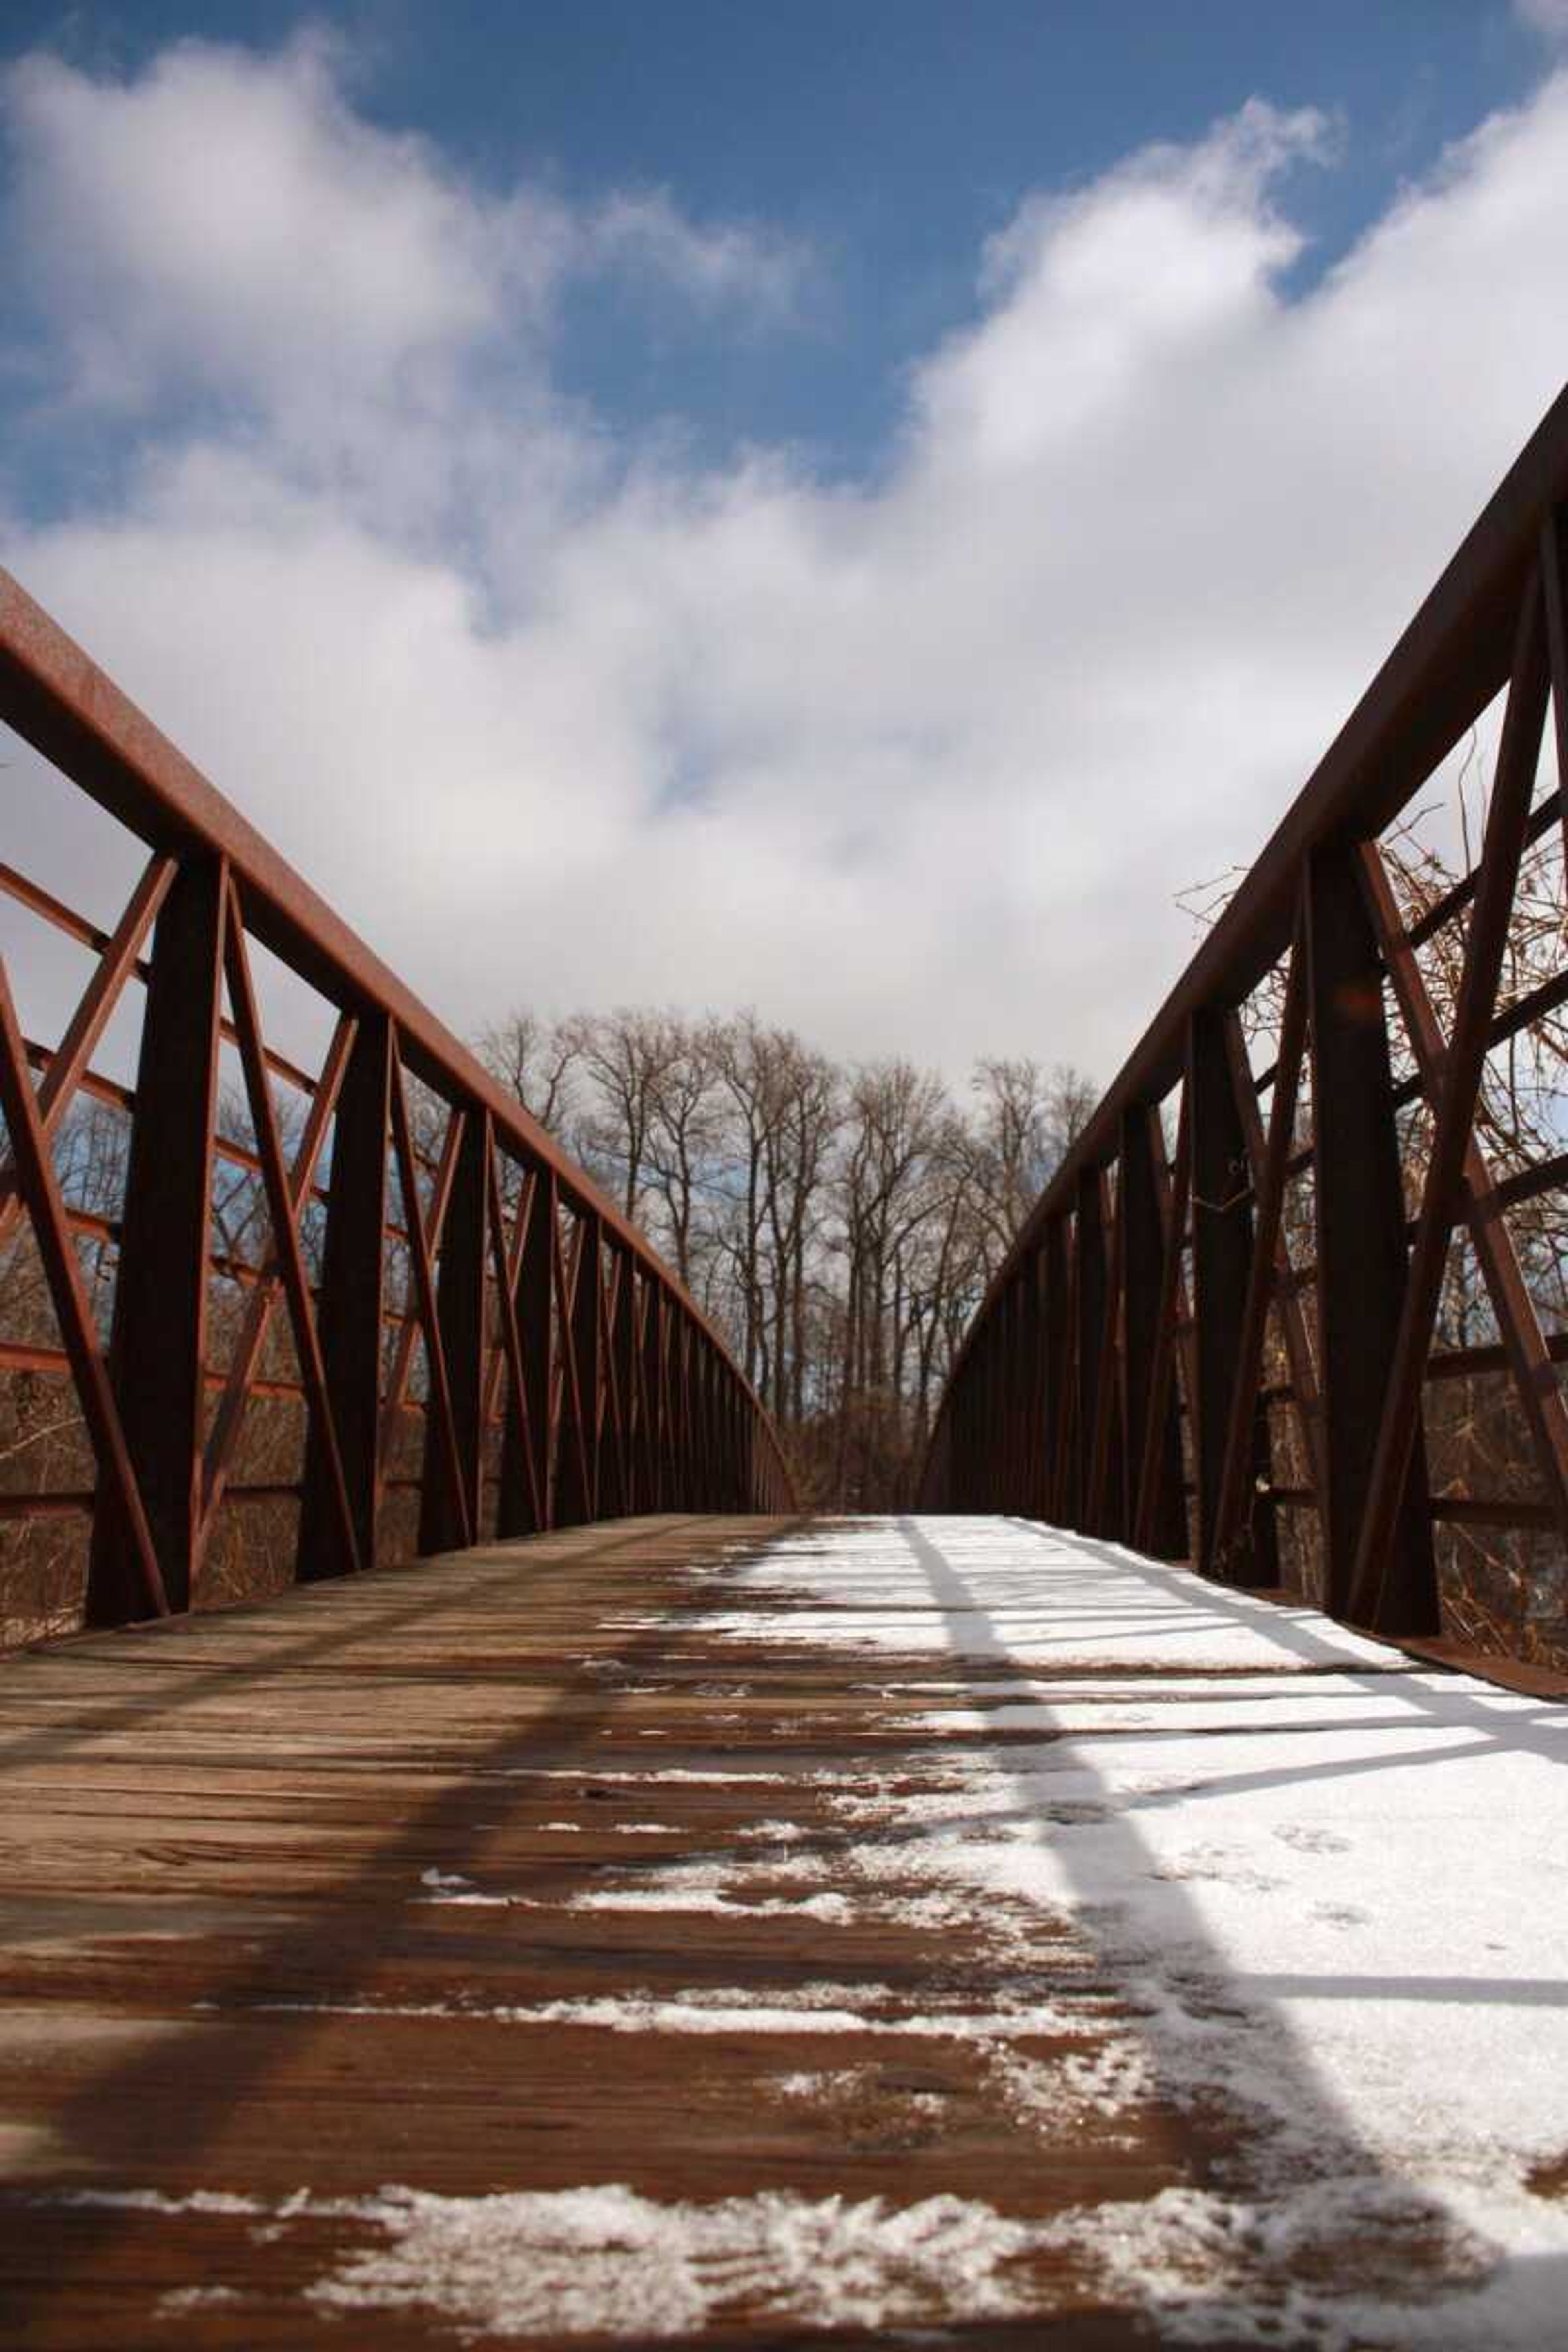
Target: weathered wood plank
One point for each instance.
(517, 1873)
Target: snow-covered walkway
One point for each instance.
(683, 1928)
(1329, 1893)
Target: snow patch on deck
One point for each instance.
(1330, 1893)
(606, 2261)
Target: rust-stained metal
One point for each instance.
(422, 1244)
(241, 1382)
(1363, 1240)
(484, 1218)
(1109, 1383)
(432, 1225)
(56, 697)
(284, 1213)
(1193, 1354)
(447, 1520)
(1454, 1112)
(1161, 1522)
(157, 1354)
(1284, 1282)
(524, 1506)
(352, 1300)
(39, 1190)
(68, 1065)
(1223, 1240)
(1263, 1273)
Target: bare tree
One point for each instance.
(840, 1224)
(538, 1062)
(624, 1057)
(684, 1132)
(1026, 1121)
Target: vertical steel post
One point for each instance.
(577, 1475)
(522, 1507)
(690, 1364)
(952, 1416)
(675, 1474)
(998, 1403)
(720, 1417)
(1271, 1270)
(1003, 1393)
(622, 1373)
(701, 1422)
(38, 1191)
(1053, 1352)
(1032, 1385)
(1454, 1113)
(1107, 1484)
(1222, 1259)
(251, 1340)
(1144, 1272)
(1362, 1248)
(1026, 1384)
(734, 1484)
(158, 1349)
(1091, 1297)
(654, 1437)
(460, 1319)
(1064, 1507)
(589, 1325)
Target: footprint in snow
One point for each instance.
(1340, 1914)
(1307, 1840)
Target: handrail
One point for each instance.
(53, 694)
(1082, 1388)
(611, 1393)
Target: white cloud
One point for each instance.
(917, 765)
(228, 219)
(644, 233)
(1547, 17)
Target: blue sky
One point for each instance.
(890, 137)
(698, 472)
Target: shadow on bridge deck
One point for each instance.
(357, 1945)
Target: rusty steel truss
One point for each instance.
(467, 1272)
(1135, 1361)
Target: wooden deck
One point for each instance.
(399, 1883)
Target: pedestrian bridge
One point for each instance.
(925, 1929)
(577, 1894)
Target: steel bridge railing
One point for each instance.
(1155, 1352)
(450, 1333)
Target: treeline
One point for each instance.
(839, 1222)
